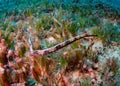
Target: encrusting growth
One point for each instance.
(59, 46)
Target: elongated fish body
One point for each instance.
(59, 46)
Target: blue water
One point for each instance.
(8, 6)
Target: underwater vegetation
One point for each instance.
(59, 43)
